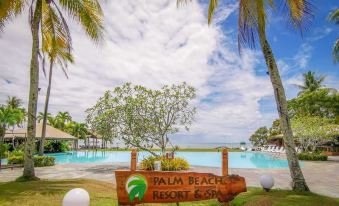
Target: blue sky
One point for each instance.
(155, 43)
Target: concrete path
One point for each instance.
(322, 177)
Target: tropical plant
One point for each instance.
(311, 82)
(76, 129)
(61, 119)
(143, 117)
(313, 130)
(260, 136)
(334, 17)
(321, 103)
(41, 115)
(14, 102)
(48, 15)
(252, 21)
(58, 51)
(9, 117)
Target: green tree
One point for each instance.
(311, 82)
(322, 103)
(275, 128)
(58, 51)
(260, 136)
(252, 27)
(14, 102)
(61, 119)
(313, 130)
(142, 117)
(334, 17)
(41, 115)
(88, 13)
(76, 129)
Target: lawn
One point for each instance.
(51, 192)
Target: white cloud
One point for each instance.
(151, 43)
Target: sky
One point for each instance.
(153, 43)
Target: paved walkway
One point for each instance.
(322, 177)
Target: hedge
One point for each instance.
(39, 161)
(312, 157)
(175, 164)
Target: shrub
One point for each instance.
(3, 150)
(39, 161)
(13, 160)
(56, 146)
(43, 161)
(166, 164)
(312, 157)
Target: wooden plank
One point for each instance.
(224, 156)
(135, 187)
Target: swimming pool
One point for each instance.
(211, 159)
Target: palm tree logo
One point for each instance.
(136, 186)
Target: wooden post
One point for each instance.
(224, 157)
(134, 159)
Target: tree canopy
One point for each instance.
(143, 117)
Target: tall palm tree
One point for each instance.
(252, 27)
(334, 17)
(88, 13)
(58, 51)
(311, 82)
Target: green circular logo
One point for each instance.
(136, 186)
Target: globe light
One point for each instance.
(76, 197)
(266, 182)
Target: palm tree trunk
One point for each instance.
(28, 172)
(44, 121)
(298, 180)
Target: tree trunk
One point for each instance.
(298, 180)
(44, 121)
(28, 172)
(2, 136)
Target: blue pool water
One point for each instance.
(212, 159)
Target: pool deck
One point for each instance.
(322, 177)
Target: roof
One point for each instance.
(51, 133)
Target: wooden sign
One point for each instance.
(140, 186)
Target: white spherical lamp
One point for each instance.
(76, 197)
(266, 182)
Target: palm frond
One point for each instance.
(89, 14)
(334, 16)
(299, 13)
(335, 52)
(10, 9)
(211, 10)
(252, 21)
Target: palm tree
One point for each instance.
(334, 17)
(311, 82)
(14, 102)
(61, 119)
(88, 13)
(41, 115)
(58, 51)
(252, 26)
(9, 117)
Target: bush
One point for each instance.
(166, 164)
(55, 146)
(43, 161)
(39, 161)
(312, 157)
(3, 150)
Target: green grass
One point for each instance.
(51, 192)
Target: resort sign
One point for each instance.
(140, 186)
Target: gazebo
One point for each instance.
(51, 134)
